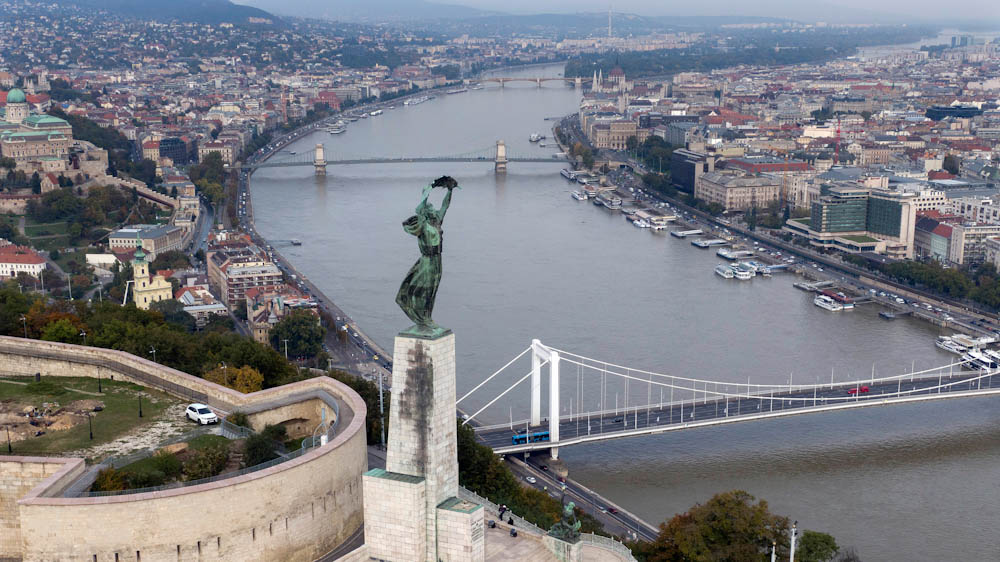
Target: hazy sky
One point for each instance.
(971, 10)
(943, 12)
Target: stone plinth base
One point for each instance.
(564, 551)
(422, 422)
(460, 531)
(395, 516)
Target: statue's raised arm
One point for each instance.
(450, 184)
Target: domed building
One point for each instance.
(17, 107)
(30, 138)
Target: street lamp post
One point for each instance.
(152, 350)
(24, 321)
(90, 423)
(225, 372)
(140, 406)
(794, 532)
(286, 349)
(84, 334)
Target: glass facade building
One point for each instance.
(840, 210)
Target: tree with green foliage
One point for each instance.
(730, 526)
(655, 153)
(262, 447)
(173, 313)
(480, 470)
(301, 332)
(174, 259)
(207, 462)
(814, 546)
(126, 328)
(62, 330)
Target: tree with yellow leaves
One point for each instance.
(245, 379)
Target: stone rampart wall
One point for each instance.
(18, 475)
(297, 510)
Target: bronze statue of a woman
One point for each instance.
(419, 289)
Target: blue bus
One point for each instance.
(535, 437)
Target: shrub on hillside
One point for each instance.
(207, 462)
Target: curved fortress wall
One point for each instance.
(297, 510)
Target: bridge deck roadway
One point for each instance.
(394, 161)
(640, 420)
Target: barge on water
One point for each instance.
(709, 243)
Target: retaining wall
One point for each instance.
(297, 510)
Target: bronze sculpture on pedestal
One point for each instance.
(419, 289)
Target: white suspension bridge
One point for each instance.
(675, 403)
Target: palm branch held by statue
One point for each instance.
(419, 289)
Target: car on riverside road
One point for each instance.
(530, 479)
(201, 413)
(862, 389)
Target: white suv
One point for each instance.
(201, 414)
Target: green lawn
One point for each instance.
(49, 244)
(33, 230)
(120, 414)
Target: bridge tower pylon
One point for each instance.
(540, 353)
(500, 162)
(319, 160)
(578, 82)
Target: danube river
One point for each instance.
(523, 260)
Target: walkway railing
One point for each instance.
(494, 509)
(609, 544)
(519, 523)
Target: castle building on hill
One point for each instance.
(25, 137)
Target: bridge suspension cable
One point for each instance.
(564, 353)
(509, 363)
(509, 388)
(772, 388)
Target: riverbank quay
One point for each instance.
(949, 313)
(963, 315)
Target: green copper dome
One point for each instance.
(16, 96)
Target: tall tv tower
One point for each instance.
(609, 22)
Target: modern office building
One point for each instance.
(857, 219)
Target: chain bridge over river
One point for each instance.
(498, 155)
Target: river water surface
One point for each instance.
(523, 260)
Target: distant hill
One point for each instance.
(369, 11)
(201, 11)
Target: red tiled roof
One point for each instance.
(19, 254)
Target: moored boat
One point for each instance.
(827, 303)
(724, 271)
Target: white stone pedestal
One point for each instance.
(395, 516)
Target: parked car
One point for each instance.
(201, 413)
(862, 389)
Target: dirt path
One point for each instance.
(171, 423)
